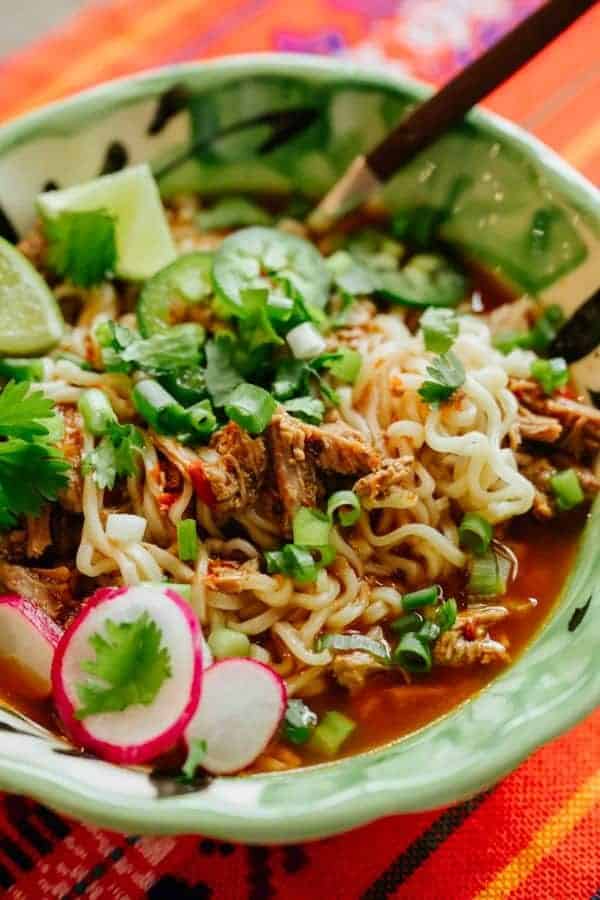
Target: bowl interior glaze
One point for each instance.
(485, 182)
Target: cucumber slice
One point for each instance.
(164, 298)
(248, 176)
(30, 319)
(426, 280)
(255, 257)
(144, 242)
(483, 196)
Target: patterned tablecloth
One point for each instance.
(537, 834)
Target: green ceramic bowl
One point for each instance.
(489, 180)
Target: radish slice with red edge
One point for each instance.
(29, 636)
(127, 674)
(243, 702)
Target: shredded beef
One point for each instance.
(50, 589)
(579, 423)
(228, 474)
(469, 640)
(39, 537)
(300, 452)
(71, 445)
(293, 467)
(393, 475)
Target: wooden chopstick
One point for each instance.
(447, 107)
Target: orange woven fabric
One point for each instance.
(536, 835)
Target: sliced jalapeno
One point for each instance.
(428, 279)
(166, 296)
(259, 257)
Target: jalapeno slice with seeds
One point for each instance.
(259, 257)
(427, 279)
(166, 296)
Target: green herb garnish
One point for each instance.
(83, 245)
(130, 667)
(446, 376)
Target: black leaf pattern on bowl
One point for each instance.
(171, 783)
(579, 615)
(7, 229)
(115, 158)
(169, 105)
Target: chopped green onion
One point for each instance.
(160, 410)
(297, 562)
(567, 490)
(551, 373)
(225, 643)
(546, 328)
(125, 528)
(305, 341)
(413, 654)
(97, 412)
(348, 505)
(187, 540)
(299, 722)
(440, 329)
(475, 533)
(538, 339)
(333, 730)
(202, 419)
(446, 614)
(24, 369)
(485, 578)
(348, 642)
(327, 554)
(429, 631)
(347, 366)
(424, 597)
(507, 341)
(251, 407)
(311, 528)
(163, 413)
(410, 622)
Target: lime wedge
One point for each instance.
(30, 320)
(144, 242)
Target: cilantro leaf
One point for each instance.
(255, 328)
(161, 354)
(221, 375)
(23, 411)
(440, 328)
(115, 455)
(447, 375)
(83, 245)
(30, 475)
(196, 753)
(291, 378)
(309, 409)
(168, 352)
(130, 667)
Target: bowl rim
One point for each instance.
(356, 804)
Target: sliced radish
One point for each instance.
(29, 636)
(243, 702)
(140, 731)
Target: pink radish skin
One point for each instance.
(243, 703)
(30, 636)
(138, 733)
